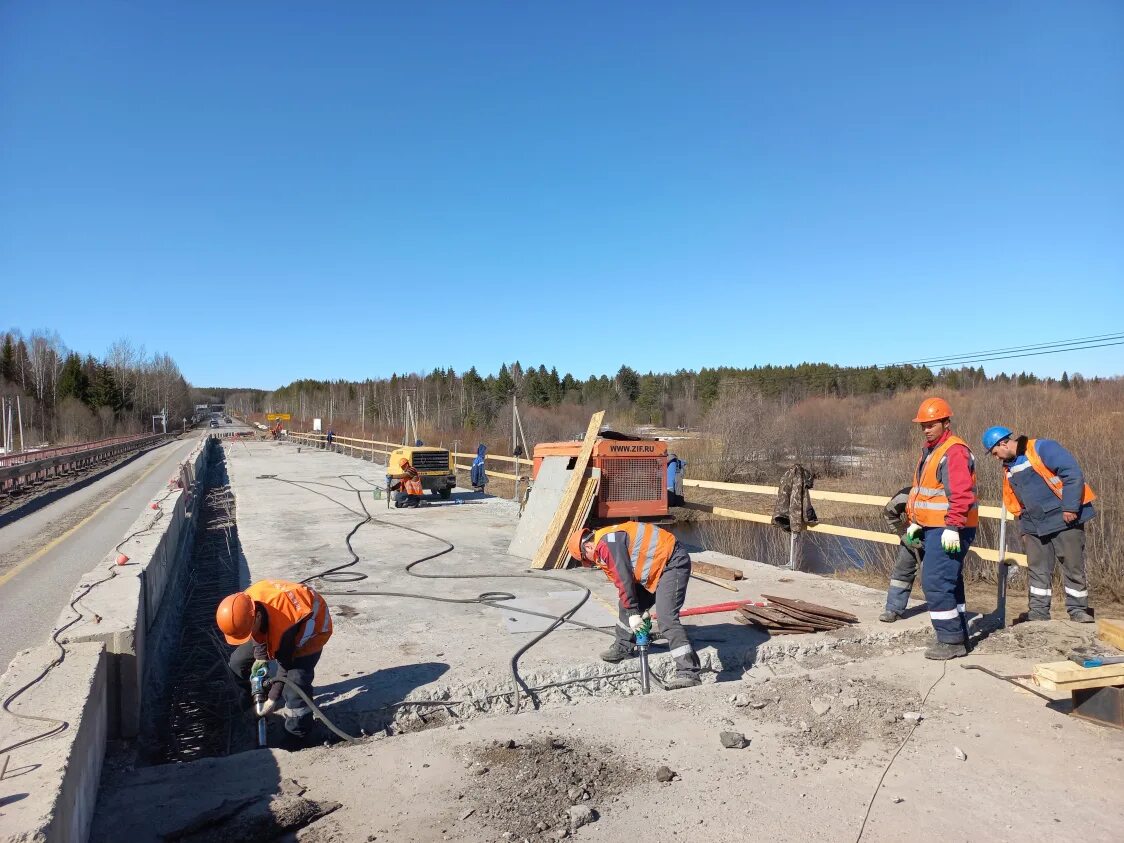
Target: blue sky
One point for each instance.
(278, 190)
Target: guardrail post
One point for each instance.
(1004, 569)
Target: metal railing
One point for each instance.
(61, 461)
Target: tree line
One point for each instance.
(67, 395)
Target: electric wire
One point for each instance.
(894, 757)
(341, 574)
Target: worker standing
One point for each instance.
(1045, 489)
(650, 569)
(943, 513)
(282, 626)
(408, 490)
(479, 475)
(905, 563)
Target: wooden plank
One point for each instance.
(713, 581)
(1111, 631)
(1067, 671)
(554, 536)
(1050, 685)
(817, 620)
(580, 517)
(818, 624)
(711, 570)
(814, 608)
(779, 619)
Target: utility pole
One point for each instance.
(362, 413)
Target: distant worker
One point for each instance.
(905, 563)
(331, 438)
(943, 513)
(675, 468)
(418, 443)
(1044, 488)
(479, 475)
(649, 568)
(282, 627)
(408, 491)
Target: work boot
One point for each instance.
(942, 651)
(681, 680)
(889, 616)
(618, 653)
(1080, 616)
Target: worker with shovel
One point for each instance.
(650, 569)
(943, 513)
(280, 628)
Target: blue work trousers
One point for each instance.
(942, 579)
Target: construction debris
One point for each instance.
(733, 740)
(718, 571)
(783, 616)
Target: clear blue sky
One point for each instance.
(272, 190)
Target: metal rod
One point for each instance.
(1004, 569)
(792, 551)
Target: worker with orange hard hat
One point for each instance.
(283, 627)
(943, 513)
(650, 569)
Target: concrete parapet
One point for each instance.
(50, 787)
(121, 611)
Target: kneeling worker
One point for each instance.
(649, 568)
(408, 491)
(283, 622)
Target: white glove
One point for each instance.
(950, 540)
(267, 707)
(635, 622)
(913, 535)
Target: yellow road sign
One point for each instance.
(278, 416)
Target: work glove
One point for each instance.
(637, 621)
(950, 540)
(912, 537)
(260, 668)
(268, 706)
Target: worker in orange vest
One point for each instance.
(282, 626)
(943, 513)
(1044, 487)
(649, 568)
(408, 491)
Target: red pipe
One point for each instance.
(719, 607)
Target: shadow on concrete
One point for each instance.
(14, 797)
(370, 703)
(736, 646)
(19, 510)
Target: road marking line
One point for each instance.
(53, 543)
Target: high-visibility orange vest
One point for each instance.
(1011, 501)
(649, 548)
(412, 486)
(928, 499)
(289, 603)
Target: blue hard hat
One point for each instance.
(994, 435)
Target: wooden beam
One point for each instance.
(711, 570)
(714, 581)
(812, 608)
(1067, 671)
(1050, 685)
(1111, 631)
(553, 536)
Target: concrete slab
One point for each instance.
(50, 786)
(556, 603)
(546, 495)
(296, 508)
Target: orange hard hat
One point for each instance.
(235, 617)
(933, 409)
(574, 545)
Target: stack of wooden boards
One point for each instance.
(1067, 676)
(785, 616)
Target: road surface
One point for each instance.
(44, 553)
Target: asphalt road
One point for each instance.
(43, 554)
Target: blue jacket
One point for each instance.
(1042, 510)
(479, 477)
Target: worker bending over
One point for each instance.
(408, 491)
(286, 623)
(649, 568)
(905, 563)
(1044, 488)
(943, 512)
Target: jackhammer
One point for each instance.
(643, 638)
(263, 690)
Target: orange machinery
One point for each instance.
(633, 475)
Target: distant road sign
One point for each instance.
(278, 416)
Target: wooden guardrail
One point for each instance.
(987, 553)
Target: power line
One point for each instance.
(1024, 354)
(1017, 351)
